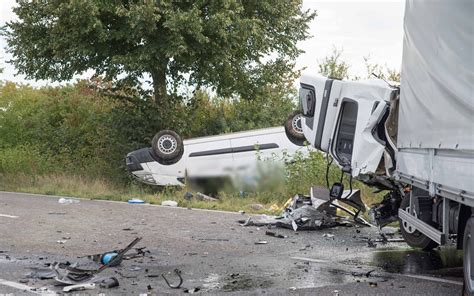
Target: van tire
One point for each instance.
(468, 249)
(168, 146)
(294, 128)
(415, 238)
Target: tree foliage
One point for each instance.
(332, 65)
(232, 46)
(382, 72)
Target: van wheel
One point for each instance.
(468, 247)
(168, 146)
(294, 128)
(413, 237)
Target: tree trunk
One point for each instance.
(159, 86)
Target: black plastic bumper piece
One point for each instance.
(135, 158)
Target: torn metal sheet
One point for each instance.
(300, 214)
(79, 287)
(41, 273)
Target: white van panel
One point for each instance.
(209, 159)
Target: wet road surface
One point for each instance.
(213, 252)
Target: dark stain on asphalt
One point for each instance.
(413, 261)
(240, 282)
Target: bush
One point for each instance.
(27, 160)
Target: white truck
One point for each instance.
(415, 140)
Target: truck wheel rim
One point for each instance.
(297, 124)
(167, 144)
(407, 226)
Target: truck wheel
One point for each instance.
(294, 128)
(167, 146)
(468, 247)
(413, 237)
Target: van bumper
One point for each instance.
(136, 158)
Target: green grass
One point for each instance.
(78, 186)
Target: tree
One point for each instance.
(333, 66)
(383, 72)
(223, 44)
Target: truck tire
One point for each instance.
(167, 146)
(413, 237)
(468, 248)
(294, 128)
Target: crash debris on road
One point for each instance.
(72, 277)
(80, 276)
(314, 212)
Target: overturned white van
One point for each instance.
(170, 161)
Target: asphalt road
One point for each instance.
(212, 251)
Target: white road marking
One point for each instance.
(433, 279)
(40, 291)
(8, 216)
(310, 259)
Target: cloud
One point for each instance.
(360, 28)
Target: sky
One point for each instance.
(361, 28)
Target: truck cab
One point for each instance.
(346, 119)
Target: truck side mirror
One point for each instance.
(336, 190)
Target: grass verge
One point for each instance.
(78, 186)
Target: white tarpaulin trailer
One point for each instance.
(436, 128)
(436, 100)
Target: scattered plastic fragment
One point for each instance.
(202, 196)
(261, 243)
(256, 207)
(136, 201)
(328, 235)
(66, 201)
(188, 196)
(109, 283)
(192, 290)
(271, 233)
(107, 257)
(41, 273)
(169, 203)
(79, 287)
(371, 244)
(178, 273)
